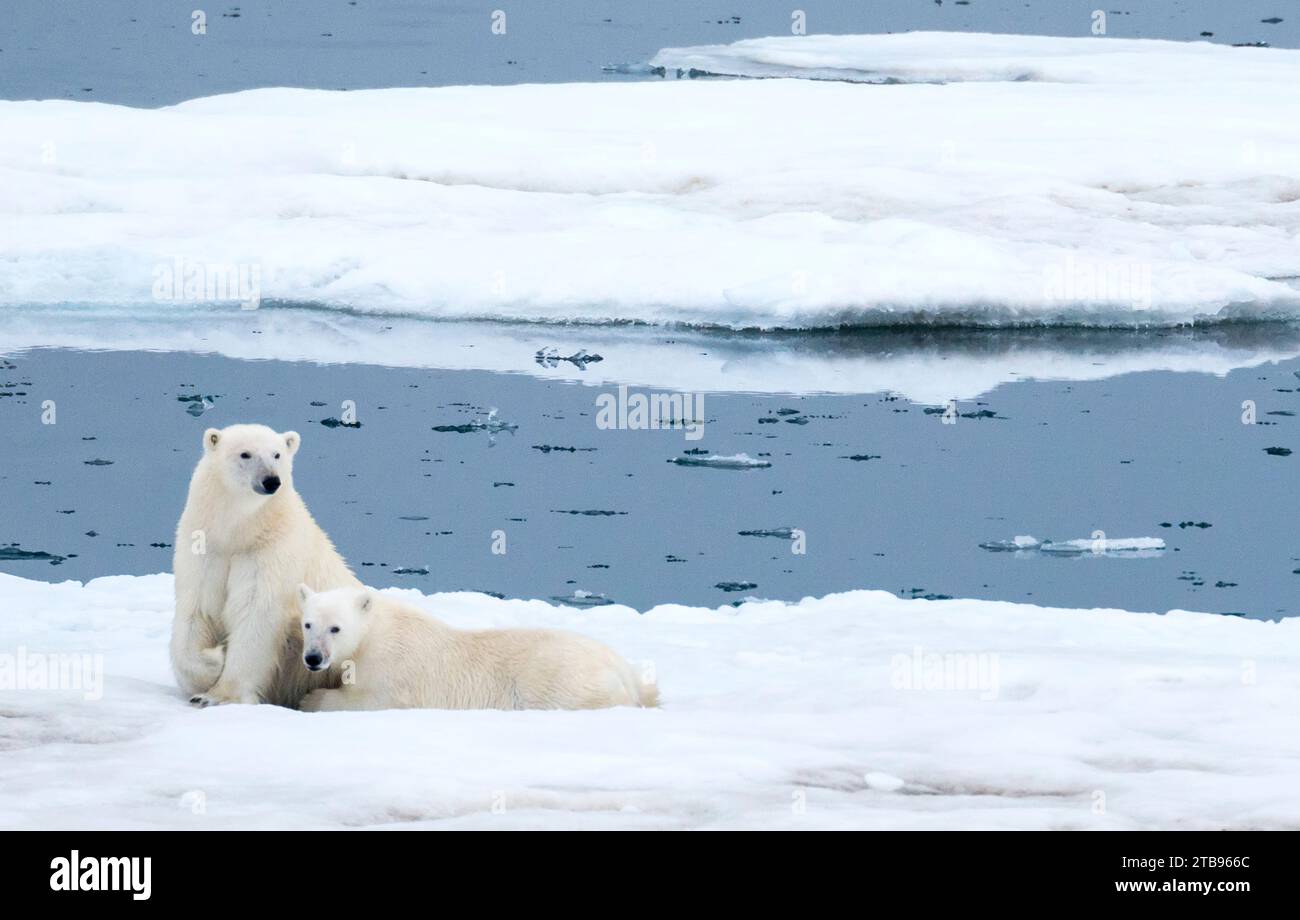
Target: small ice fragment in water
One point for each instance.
(636, 70)
(784, 533)
(491, 425)
(551, 357)
(12, 553)
(198, 403)
(1006, 546)
(1100, 546)
(718, 462)
(580, 598)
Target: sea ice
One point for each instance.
(865, 709)
(1092, 181)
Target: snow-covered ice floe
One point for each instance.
(1084, 181)
(973, 57)
(853, 710)
(1132, 547)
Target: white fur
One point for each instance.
(390, 655)
(240, 556)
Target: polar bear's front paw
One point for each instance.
(211, 698)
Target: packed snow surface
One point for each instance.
(1085, 181)
(853, 710)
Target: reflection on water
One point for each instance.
(928, 364)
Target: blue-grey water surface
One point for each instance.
(143, 53)
(1135, 455)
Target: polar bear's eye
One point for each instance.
(334, 629)
(306, 626)
(277, 456)
(245, 456)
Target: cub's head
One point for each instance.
(252, 460)
(333, 623)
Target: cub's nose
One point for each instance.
(271, 483)
(312, 660)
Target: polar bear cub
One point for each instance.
(244, 543)
(402, 658)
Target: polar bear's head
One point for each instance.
(333, 623)
(252, 460)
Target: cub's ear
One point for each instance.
(291, 441)
(210, 438)
(366, 601)
(304, 593)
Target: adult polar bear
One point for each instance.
(244, 543)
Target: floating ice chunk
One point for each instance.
(197, 404)
(13, 552)
(972, 57)
(1131, 546)
(733, 586)
(580, 598)
(1006, 546)
(636, 70)
(492, 425)
(783, 533)
(719, 462)
(551, 357)
(1102, 545)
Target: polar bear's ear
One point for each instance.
(210, 438)
(291, 441)
(304, 593)
(365, 601)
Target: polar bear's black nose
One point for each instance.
(312, 659)
(271, 483)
